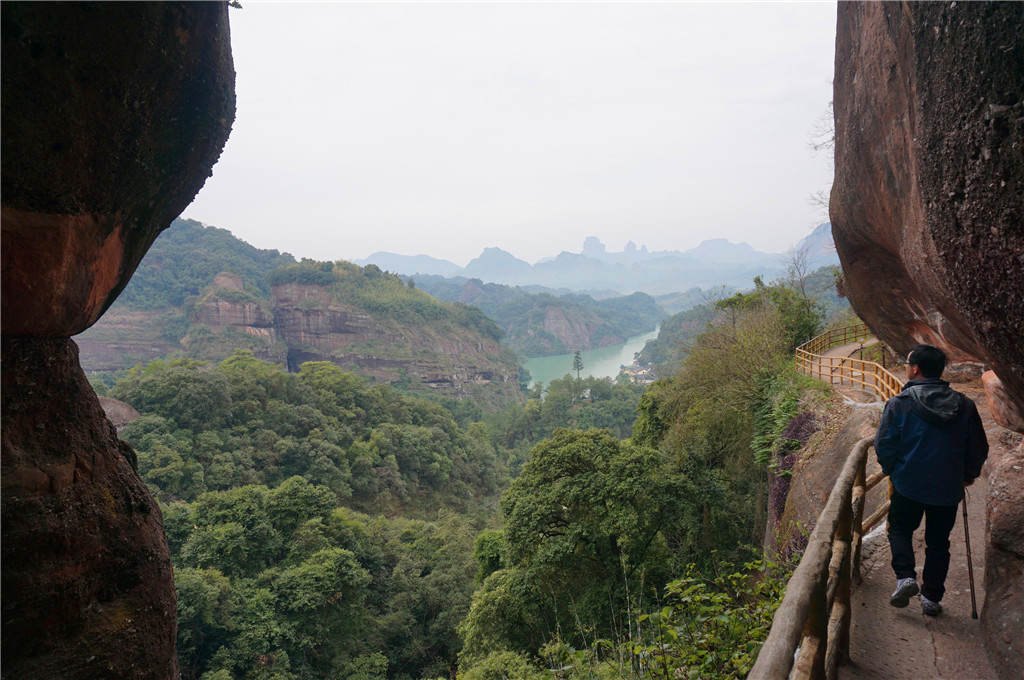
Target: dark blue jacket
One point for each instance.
(930, 442)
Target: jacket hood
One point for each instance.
(933, 400)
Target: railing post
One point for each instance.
(858, 499)
(814, 615)
(810, 662)
(845, 534)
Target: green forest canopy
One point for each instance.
(186, 257)
(324, 527)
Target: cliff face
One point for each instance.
(122, 338)
(113, 115)
(928, 218)
(316, 327)
(226, 317)
(574, 332)
(223, 306)
(87, 581)
(928, 201)
(248, 316)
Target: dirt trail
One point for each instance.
(903, 644)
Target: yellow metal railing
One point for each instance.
(810, 359)
(810, 633)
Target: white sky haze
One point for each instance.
(444, 128)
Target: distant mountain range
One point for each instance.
(202, 293)
(714, 262)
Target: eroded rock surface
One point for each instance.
(227, 317)
(1005, 409)
(927, 213)
(249, 316)
(113, 115)
(1003, 615)
(117, 412)
(317, 327)
(87, 586)
(928, 202)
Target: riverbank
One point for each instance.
(603, 362)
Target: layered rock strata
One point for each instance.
(222, 309)
(227, 317)
(113, 115)
(123, 338)
(316, 327)
(927, 214)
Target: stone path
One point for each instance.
(903, 644)
(843, 372)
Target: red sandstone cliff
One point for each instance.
(927, 214)
(227, 317)
(113, 115)
(928, 203)
(317, 327)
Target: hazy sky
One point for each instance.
(444, 128)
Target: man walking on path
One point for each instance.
(932, 444)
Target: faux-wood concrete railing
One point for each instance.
(813, 622)
(810, 359)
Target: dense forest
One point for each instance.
(632, 558)
(186, 257)
(323, 526)
(679, 331)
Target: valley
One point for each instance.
(312, 427)
(221, 461)
(603, 362)
(201, 293)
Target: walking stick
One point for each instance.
(970, 566)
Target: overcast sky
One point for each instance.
(445, 128)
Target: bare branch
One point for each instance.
(823, 134)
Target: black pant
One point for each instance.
(904, 518)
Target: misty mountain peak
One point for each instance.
(497, 254)
(593, 247)
(498, 266)
(723, 248)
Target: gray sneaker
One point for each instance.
(929, 607)
(906, 588)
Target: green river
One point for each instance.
(602, 362)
